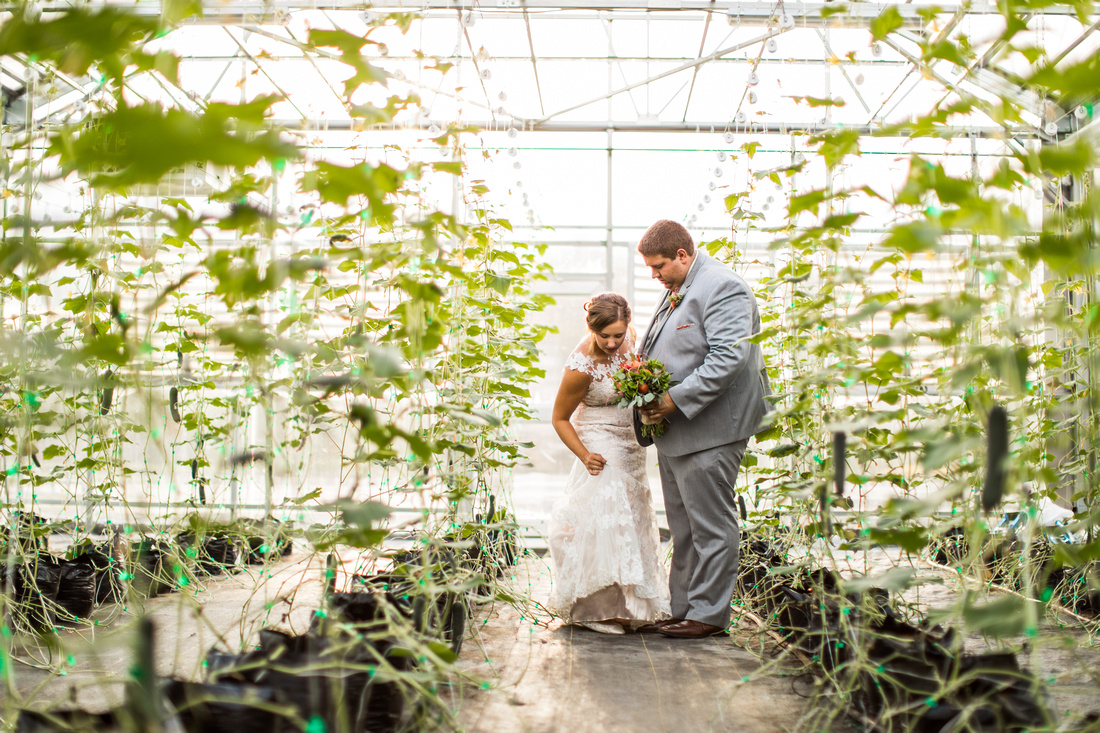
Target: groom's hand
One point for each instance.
(660, 409)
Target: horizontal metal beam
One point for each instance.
(761, 128)
(219, 11)
(765, 60)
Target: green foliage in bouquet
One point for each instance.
(637, 383)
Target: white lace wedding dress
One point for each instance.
(603, 533)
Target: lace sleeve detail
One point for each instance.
(580, 362)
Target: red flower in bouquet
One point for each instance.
(639, 383)
(674, 299)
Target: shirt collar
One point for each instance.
(691, 268)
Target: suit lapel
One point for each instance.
(655, 326)
(700, 263)
(658, 324)
(659, 320)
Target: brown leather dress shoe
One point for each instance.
(690, 629)
(656, 626)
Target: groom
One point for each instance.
(700, 333)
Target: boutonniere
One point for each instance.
(674, 299)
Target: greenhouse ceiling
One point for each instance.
(661, 65)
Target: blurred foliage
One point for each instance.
(865, 335)
(198, 352)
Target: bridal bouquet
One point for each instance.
(637, 383)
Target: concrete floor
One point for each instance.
(539, 675)
(527, 675)
(519, 670)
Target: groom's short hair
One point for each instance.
(664, 239)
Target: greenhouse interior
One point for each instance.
(301, 365)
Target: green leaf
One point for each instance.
(806, 202)
(372, 115)
(306, 498)
(75, 40)
(498, 283)
(174, 11)
(54, 451)
(913, 237)
(833, 9)
(350, 47)
(894, 580)
(819, 101)
(443, 651)
(363, 514)
(948, 51)
(835, 145)
(888, 364)
(888, 21)
(1058, 160)
(338, 184)
(1080, 80)
(1001, 618)
(784, 449)
(454, 168)
(142, 144)
(910, 539)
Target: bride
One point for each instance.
(603, 534)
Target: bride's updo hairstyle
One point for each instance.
(605, 309)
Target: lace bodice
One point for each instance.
(601, 391)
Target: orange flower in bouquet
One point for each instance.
(639, 382)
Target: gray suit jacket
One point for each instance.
(720, 373)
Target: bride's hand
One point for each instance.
(594, 462)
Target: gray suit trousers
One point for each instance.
(701, 507)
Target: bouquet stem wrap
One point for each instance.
(637, 384)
